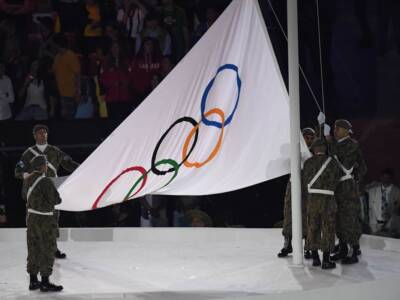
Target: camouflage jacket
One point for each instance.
(349, 154)
(328, 179)
(41, 193)
(55, 158)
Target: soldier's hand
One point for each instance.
(321, 118)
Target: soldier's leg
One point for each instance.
(33, 259)
(355, 230)
(341, 214)
(287, 226)
(328, 232)
(49, 246)
(58, 254)
(314, 233)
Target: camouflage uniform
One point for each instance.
(322, 207)
(41, 196)
(287, 212)
(348, 154)
(55, 158)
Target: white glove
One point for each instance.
(327, 130)
(321, 118)
(26, 175)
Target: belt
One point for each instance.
(346, 177)
(35, 212)
(322, 192)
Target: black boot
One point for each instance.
(307, 254)
(34, 283)
(326, 262)
(287, 248)
(353, 259)
(47, 286)
(316, 261)
(343, 250)
(58, 254)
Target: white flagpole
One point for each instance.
(293, 53)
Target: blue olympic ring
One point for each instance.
(207, 90)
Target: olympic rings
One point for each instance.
(153, 158)
(171, 162)
(207, 90)
(185, 153)
(135, 168)
(217, 146)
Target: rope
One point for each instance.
(300, 68)
(320, 60)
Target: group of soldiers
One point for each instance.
(330, 197)
(36, 167)
(330, 202)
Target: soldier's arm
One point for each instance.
(23, 168)
(66, 161)
(361, 165)
(51, 191)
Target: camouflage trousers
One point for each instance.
(287, 214)
(348, 228)
(321, 215)
(56, 216)
(41, 240)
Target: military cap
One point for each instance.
(38, 161)
(344, 124)
(40, 126)
(308, 131)
(318, 143)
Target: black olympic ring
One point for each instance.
(154, 156)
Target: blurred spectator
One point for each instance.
(383, 202)
(197, 218)
(211, 16)
(175, 21)
(48, 48)
(34, 92)
(388, 13)
(10, 47)
(97, 61)
(112, 34)
(131, 16)
(6, 94)
(145, 68)
(115, 80)
(93, 29)
(165, 69)
(153, 211)
(153, 30)
(67, 70)
(72, 16)
(85, 108)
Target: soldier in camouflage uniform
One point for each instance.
(309, 136)
(41, 196)
(321, 175)
(347, 153)
(55, 158)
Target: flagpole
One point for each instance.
(293, 56)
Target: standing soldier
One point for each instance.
(309, 136)
(321, 175)
(347, 153)
(55, 158)
(41, 196)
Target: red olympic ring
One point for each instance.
(135, 168)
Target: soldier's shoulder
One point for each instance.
(27, 151)
(54, 148)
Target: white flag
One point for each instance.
(219, 122)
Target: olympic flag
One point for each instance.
(219, 122)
